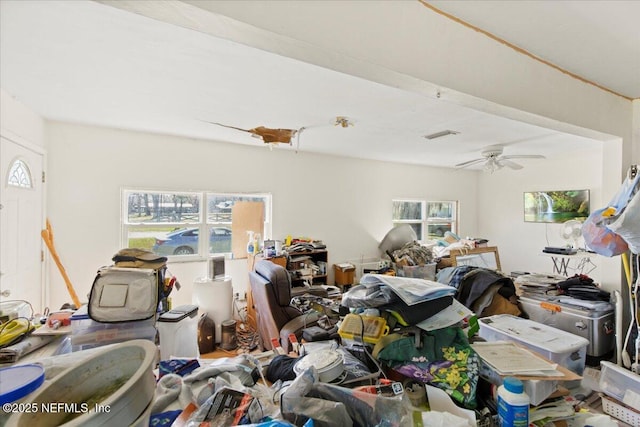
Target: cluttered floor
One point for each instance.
(409, 352)
(457, 351)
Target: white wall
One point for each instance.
(345, 202)
(501, 214)
(19, 123)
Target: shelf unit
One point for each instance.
(297, 266)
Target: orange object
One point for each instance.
(47, 236)
(551, 307)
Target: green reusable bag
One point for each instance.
(445, 360)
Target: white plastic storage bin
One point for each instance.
(561, 347)
(87, 333)
(620, 383)
(537, 390)
(178, 332)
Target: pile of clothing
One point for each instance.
(582, 287)
(484, 291)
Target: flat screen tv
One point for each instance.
(556, 206)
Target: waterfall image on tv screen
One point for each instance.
(556, 206)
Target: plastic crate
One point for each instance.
(620, 411)
(87, 333)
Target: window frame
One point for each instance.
(424, 219)
(203, 224)
(19, 169)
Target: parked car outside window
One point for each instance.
(184, 241)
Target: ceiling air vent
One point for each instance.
(441, 134)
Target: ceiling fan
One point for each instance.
(268, 135)
(494, 160)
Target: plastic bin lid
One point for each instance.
(81, 313)
(19, 381)
(179, 313)
(534, 333)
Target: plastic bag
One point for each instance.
(627, 224)
(598, 229)
(295, 406)
(600, 238)
(444, 360)
(228, 407)
(367, 295)
(331, 405)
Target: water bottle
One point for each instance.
(513, 404)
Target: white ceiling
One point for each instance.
(596, 40)
(85, 62)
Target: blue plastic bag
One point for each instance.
(598, 236)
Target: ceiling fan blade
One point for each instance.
(508, 163)
(523, 156)
(470, 163)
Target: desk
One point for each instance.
(562, 263)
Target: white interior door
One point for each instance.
(21, 220)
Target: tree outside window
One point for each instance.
(429, 219)
(171, 223)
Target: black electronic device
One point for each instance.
(315, 333)
(559, 250)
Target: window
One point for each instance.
(19, 175)
(429, 219)
(171, 223)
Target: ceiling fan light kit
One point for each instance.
(343, 121)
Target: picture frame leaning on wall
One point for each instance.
(478, 257)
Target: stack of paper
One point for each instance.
(538, 284)
(553, 411)
(451, 315)
(410, 290)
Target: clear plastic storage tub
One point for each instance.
(620, 383)
(561, 347)
(87, 333)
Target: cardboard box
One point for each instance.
(344, 273)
